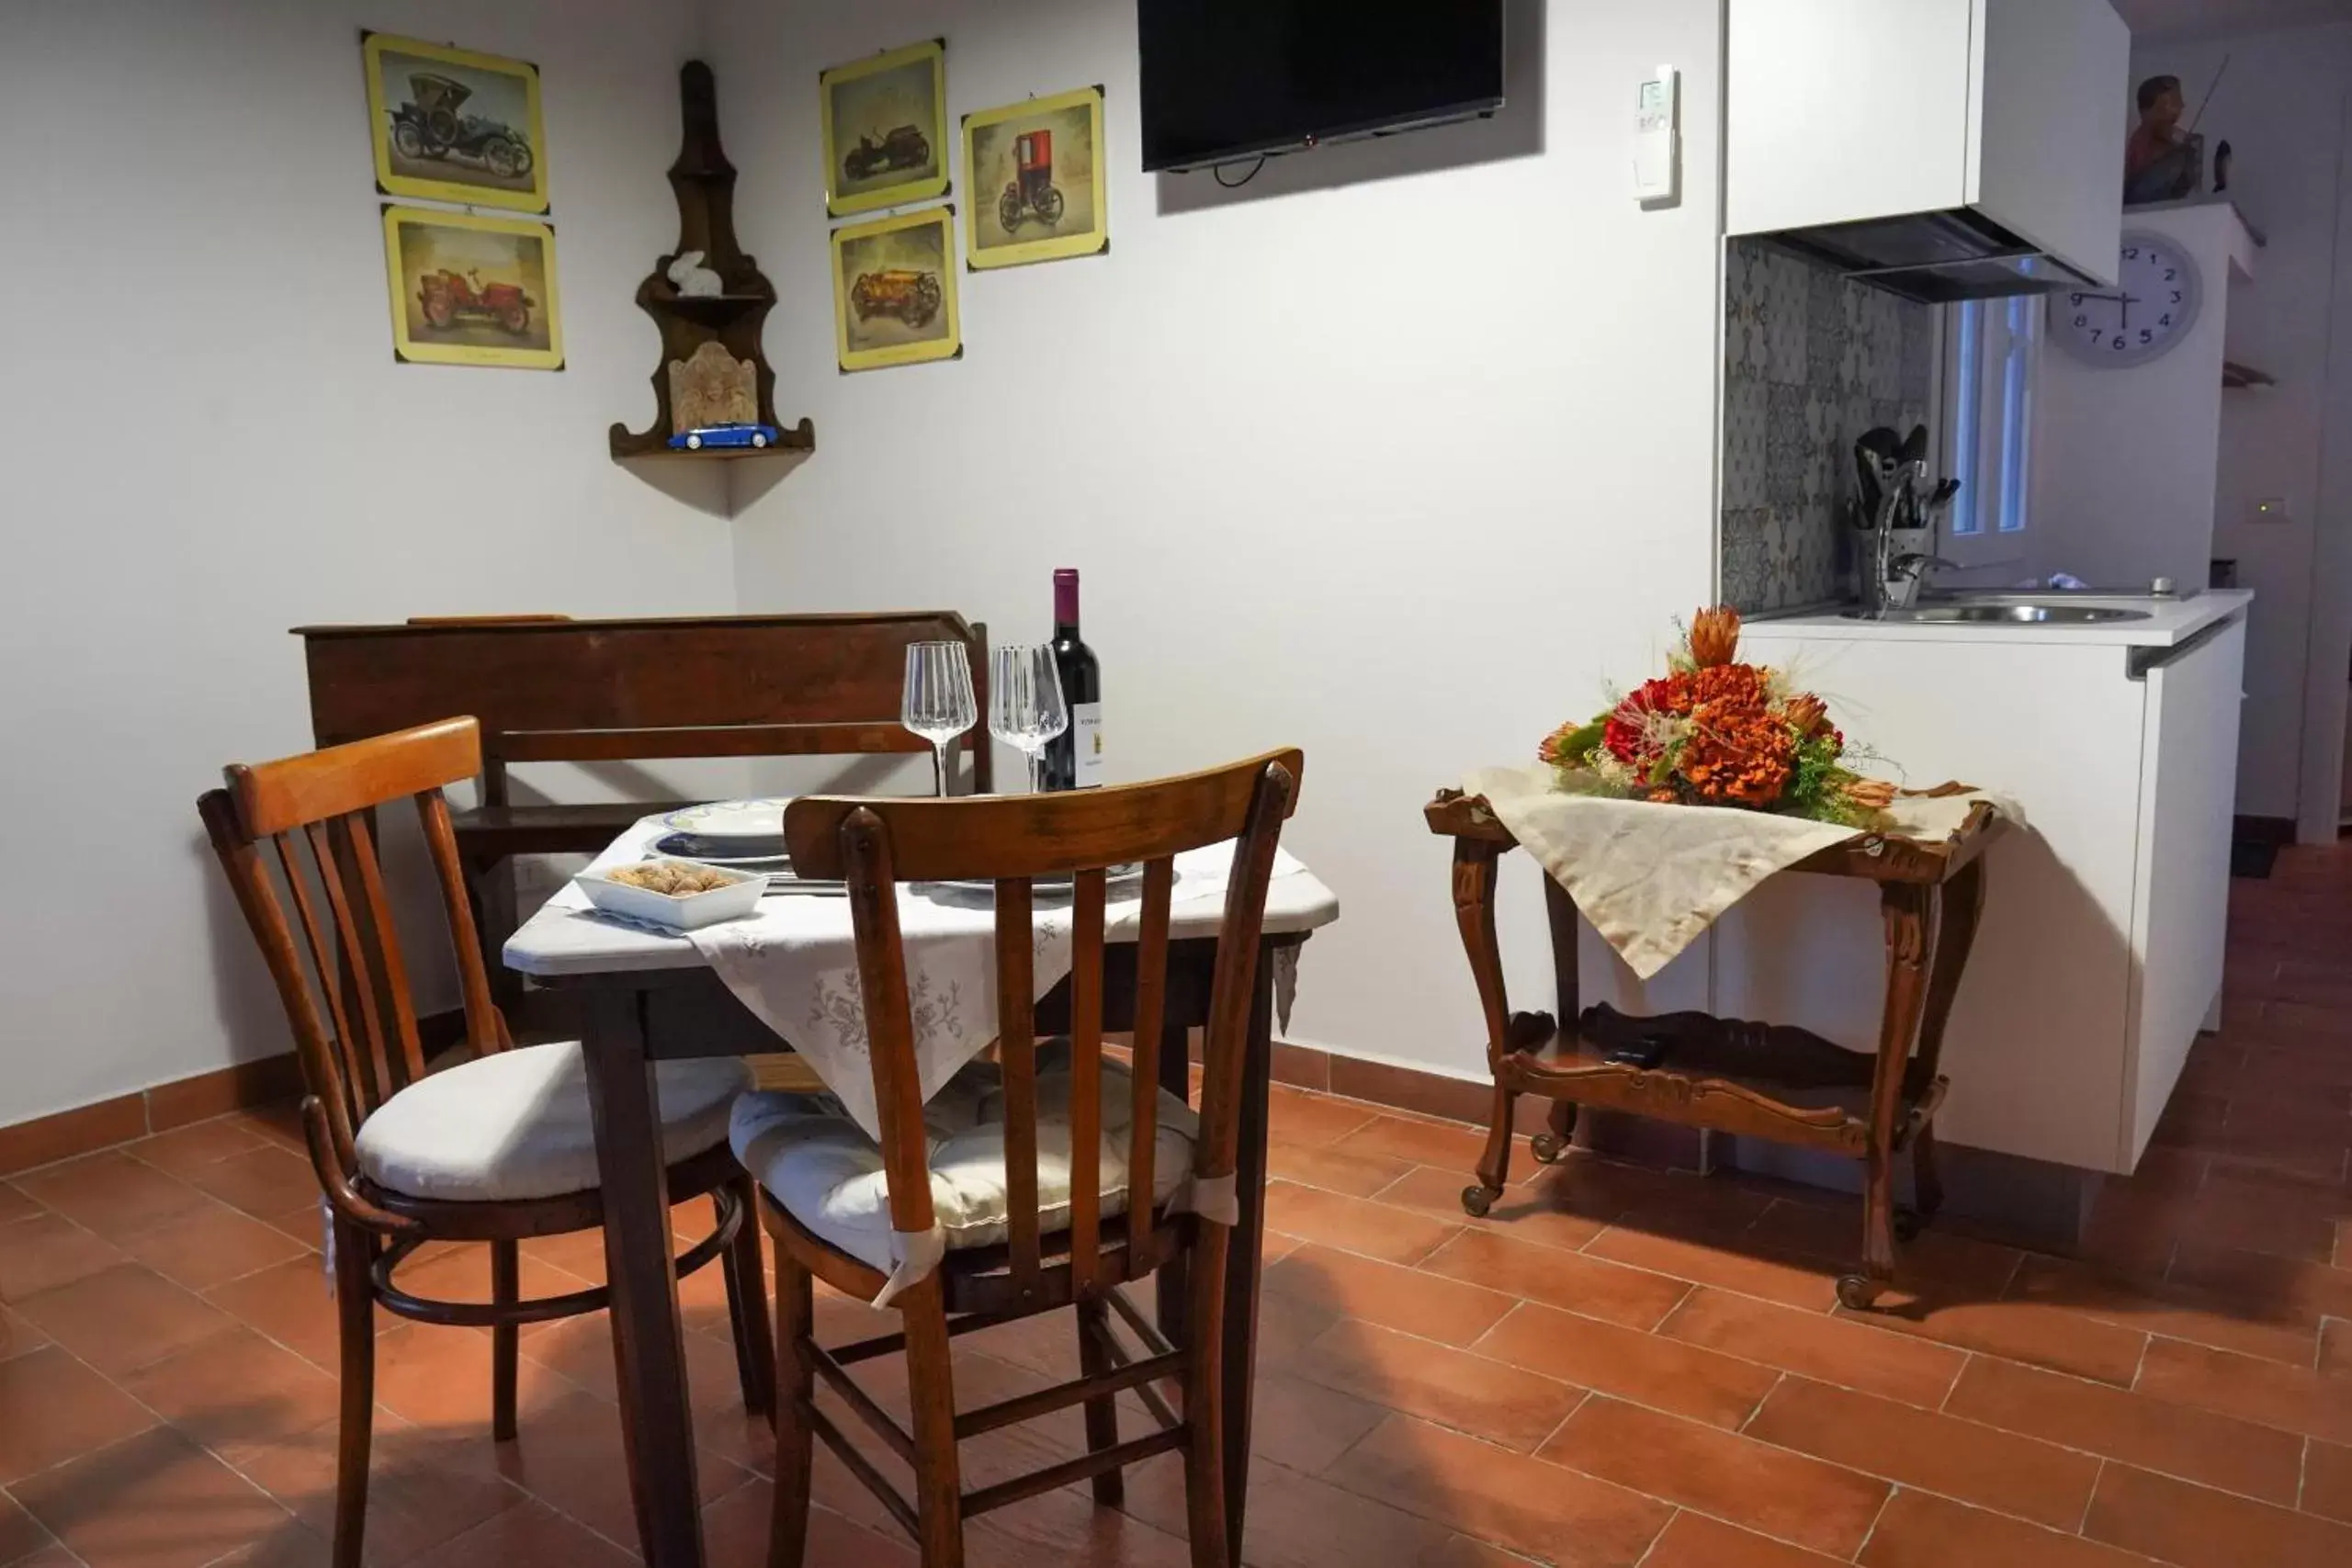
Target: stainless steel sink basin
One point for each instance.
(2004, 614)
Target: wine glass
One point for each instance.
(1025, 706)
(938, 704)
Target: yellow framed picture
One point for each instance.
(886, 129)
(473, 291)
(1035, 179)
(451, 125)
(894, 290)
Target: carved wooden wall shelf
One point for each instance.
(732, 320)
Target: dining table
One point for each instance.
(643, 995)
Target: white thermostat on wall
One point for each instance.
(1657, 143)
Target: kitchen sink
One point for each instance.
(2003, 615)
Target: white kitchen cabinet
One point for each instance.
(2101, 953)
(1845, 110)
(2181, 891)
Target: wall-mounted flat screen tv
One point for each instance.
(1230, 79)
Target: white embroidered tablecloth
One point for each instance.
(1651, 878)
(794, 964)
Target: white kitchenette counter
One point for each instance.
(2101, 954)
(2169, 623)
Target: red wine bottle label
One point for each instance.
(1086, 743)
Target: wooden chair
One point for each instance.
(874, 845)
(494, 1149)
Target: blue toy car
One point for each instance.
(713, 435)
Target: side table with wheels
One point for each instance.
(1729, 1075)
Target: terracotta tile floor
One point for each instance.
(1618, 1367)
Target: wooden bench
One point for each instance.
(547, 688)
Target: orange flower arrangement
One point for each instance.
(1717, 732)
(1714, 637)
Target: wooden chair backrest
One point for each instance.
(554, 689)
(1010, 841)
(345, 985)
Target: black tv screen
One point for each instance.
(1226, 79)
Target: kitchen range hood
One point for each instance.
(1941, 149)
(1935, 257)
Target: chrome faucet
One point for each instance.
(1901, 580)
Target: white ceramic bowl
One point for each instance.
(690, 912)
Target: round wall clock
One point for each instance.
(2153, 304)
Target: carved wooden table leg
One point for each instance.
(1908, 910)
(1473, 911)
(1963, 902)
(1560, 914)
(1560, 1129)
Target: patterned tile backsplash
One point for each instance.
(1811, 361)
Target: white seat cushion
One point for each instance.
(515, 1124)
(819, 1166)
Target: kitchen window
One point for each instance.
(1992, 358)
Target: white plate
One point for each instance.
(741, 822)
(718, 852)
(692, 912)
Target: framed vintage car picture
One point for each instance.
(894, 290)
(473, 291)
(1034, 176)
(451, 125)
(886, 129)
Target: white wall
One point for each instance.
(207, 441)
(2283, 108)
(1390, 459)
(2126, 462)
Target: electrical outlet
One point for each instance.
(2269, 509)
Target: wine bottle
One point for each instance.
(1074, 758)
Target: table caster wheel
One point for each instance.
(1858, 1292)
(1476, 1201)
(1547, 1148)
(1908, 1223)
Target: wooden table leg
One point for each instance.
(1550, 1145)
(657, 1423)
(1909, 910)
(1244, 1257)
(1473, 914)
(1560, 916)
(1956, 920)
